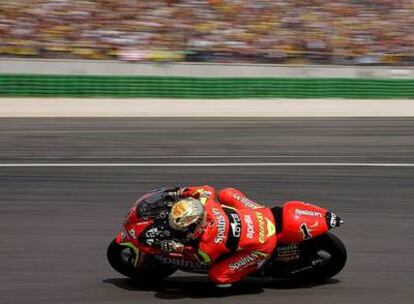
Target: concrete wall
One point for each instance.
(91, 67)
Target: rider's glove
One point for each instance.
(171, 247)
(176, 195)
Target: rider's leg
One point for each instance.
(235, 198)
(235, 267)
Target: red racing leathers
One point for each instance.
(239, 234)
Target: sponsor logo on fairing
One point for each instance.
(123, 235)
(221, 226)
(250, 227)
(142, 223)
(159, 231)
(261, 227)
(235, 225)
(151, 233)
(245, 201)
(165, 233)
(308, 212)
(149, 241)
(243, 261)
(131, 232)
(333, 220)
(180, 262)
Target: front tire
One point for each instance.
(123, 259)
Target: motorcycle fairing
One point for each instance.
(302, 221)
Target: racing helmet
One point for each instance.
(188, 216)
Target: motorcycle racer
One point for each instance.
(225, 230)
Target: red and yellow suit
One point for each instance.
(239, 234)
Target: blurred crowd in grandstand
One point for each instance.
(264, 31)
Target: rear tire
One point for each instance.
(329, 267)
(146, 269)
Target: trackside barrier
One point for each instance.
(203, 87)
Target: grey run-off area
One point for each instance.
(56, 222)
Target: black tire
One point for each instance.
(147, 269)
(329, 267)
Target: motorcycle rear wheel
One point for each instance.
(325, 256)
(147, 269)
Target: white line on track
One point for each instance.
(204, 156)
(207, 165)
(171, 157)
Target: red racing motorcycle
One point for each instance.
(306, 250)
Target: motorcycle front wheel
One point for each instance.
(136, 265)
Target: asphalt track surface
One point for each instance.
(55, 222)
